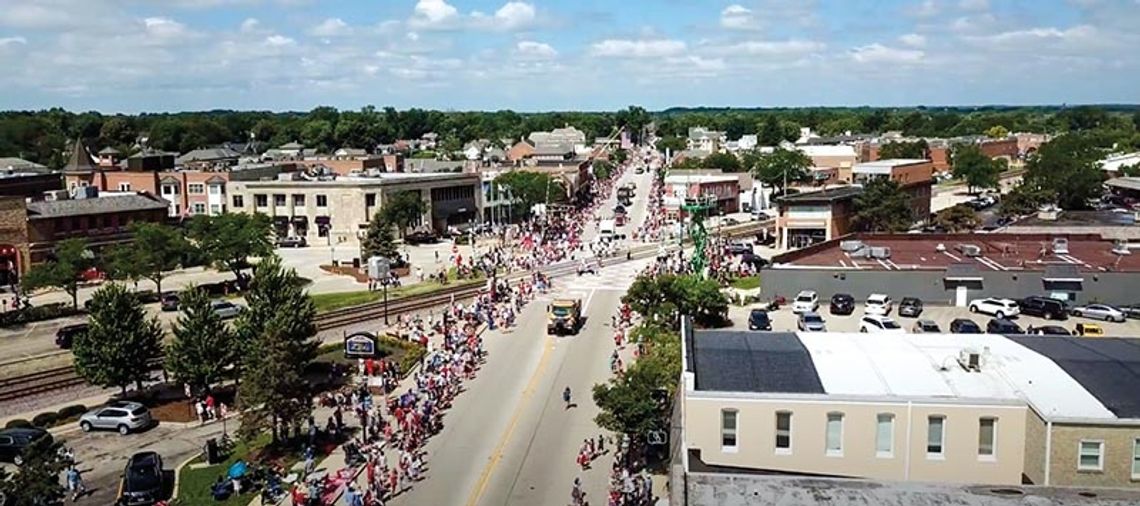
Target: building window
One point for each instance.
(1136, 459)
(885, 435)
(1091, 456)
(783, 432)
(169, 189)
(216, 189)
(322, 201)
(196, 188)
(987, 437)
(279, 199)
(728, 429)
(215, 209)
(124, 187)
(369, 200)
(835, 434)
(261, 200)
(239, 201)
(199, 208)
(298, 201)
(935, 434)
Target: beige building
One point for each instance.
(968, 409)
(337, 210)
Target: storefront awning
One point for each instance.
(322, 220)
(300, 219)
(1062, 274)
(962, 272)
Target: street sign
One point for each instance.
(378, 267)
(360, 345)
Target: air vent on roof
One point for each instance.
(970, 360)
(1060, 246)
(970, 250)
(851, 246)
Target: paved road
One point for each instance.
(509, 439)
(639, 208)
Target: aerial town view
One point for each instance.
(570, 252)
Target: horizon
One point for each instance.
(563, 55)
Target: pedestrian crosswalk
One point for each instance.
(618, 277)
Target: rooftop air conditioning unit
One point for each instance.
(1060, 246)
(881, 253)
(851, 246)
(970, 360)
(55, 195)
(970, 250)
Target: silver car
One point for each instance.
(122, 416)
(225, 309)
(811, 322)
(1100, 312)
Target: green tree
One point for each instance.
(35, 481)
(318, 134)
(637, 401)
(780, 166)
(726, 162)
(120, 342)
(531, 188)
(404, 209)
(770, 132)
(379, 240)
(666, 298)
(228, 240)
(959, 218)
(901, 149)
(602, 169)
(673, 144)
(997, 132)
(203, 344)
(156, 250)
(1024, 199)
(883, 207)
(619, 156)
(1067, 167)
(975, 168)
(275, 336)
(62, 270)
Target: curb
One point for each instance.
(178, 474)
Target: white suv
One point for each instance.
(806, 301)
(878, 304)
(999, 308)
(878, 324)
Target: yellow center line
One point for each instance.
(497, 454)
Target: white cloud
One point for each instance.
(878, 53)
(974, 5)
(279, 41)
(11, 41)
(429, 14)
(331, 27)
(776, 47)
(515, 15)
(1037, 35)
(913, 40)
(535, 50)
(737, 17)
(250, 25)
(926, 9)
(638, 48)
(164, 28)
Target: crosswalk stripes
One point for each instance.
(618, 277)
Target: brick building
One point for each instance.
(913, 175)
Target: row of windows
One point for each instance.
(884, 434)
(1091, 452)
(453, 193)
(279, 200)
(170, 189)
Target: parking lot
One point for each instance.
(784, 320)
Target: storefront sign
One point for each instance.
(360, 345)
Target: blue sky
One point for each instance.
(530, 55)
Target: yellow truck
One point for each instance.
(564, 316)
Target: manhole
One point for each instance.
(1087, 494)
(1007, 491)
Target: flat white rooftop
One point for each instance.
(884, 166)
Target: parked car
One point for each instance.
(1002, 326)
(420, 237)
(1089, 330)
(1130, 310)
(1045, 307)
(169, 301)
(811, 322)
(1048, 330)
(65, 336)
(639, 170)
(842, 304)
(729, 221)
(910, 307)
(756, 261)
(739, 248)
(806, 301)
(758, 320)
(292, 241)
(924, 326)
(993, 306)
(122, 416)
(1100, 312)
(225, 309)
(142, 480)
(13, 442)
(879, 324)
(964, 326)
(878, 304)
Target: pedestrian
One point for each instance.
(75, 483)
(200, 407)
(352, 497)
(310, 460)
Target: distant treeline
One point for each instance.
(43, 136)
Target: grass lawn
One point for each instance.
(194, 484)
(338, 300)
(746, 283)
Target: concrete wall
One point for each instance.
(1117, 456)
(1112, 287)
(1035, 435)
(960, 462)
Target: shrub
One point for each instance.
(18, 423)
(72, 411)
(37, 314)
(45, 419)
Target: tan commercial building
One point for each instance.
(814, 217)
(337, 210)
(968, 409)
(915, 176)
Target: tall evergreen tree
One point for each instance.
(36, 481)
(203, 343)
(379, 239)
(275, 338)
(120, 342)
